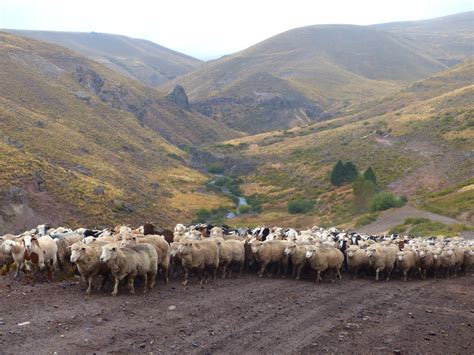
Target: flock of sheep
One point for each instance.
(207, 250)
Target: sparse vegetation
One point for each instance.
(300, 205)
(385, 200)
(366, 219)
(419, 227)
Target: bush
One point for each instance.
(255, 203)
(385, 200)
(300, 205)
(215, 169)
(244, 209)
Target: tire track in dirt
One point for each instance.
(242, 315)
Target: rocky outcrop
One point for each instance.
(179, 97)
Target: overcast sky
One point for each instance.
(210, 28)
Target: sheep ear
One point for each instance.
(69, 247)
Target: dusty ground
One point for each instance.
(244, 315)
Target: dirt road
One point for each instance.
(244, 315)
(396, 216)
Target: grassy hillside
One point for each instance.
(300, 73)
(448, 39)
(419, 141)
(144, 60)
(71, 150)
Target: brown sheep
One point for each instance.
(64, 252)
(406, 262)
(199, 254)
(426, 262)
(382, 258)
(267, 252)
(322, 259)
(132, 261)
(231, 252)
(297, 254)
(87, 259)
(357, 259)
(161, 245)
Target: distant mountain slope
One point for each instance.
(140, 59)
(325, 67)
(81, 144)
(419, 141)
(448, 39)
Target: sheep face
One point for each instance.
(185, 248)
(290, 249)
(174, 249)
(310, 252)
(109, 252)
(129, 240)
(77, 251)
(350, 252)
(124, 230)
(371, 252)
(255, 246)
(28, 242)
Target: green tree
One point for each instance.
(337, 174)
(370, 175)
(350, 172)
(300, 205)
(364, 191)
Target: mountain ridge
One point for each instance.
(137, 58)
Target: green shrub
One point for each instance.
(385, 200)
(300, 205)
(215, 169)
(245, 209)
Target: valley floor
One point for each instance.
(242, 315)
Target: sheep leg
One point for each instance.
(405, 274)
(186, 275)
(145, 282)
(298, 274)
(338, 274)
(201, 275)
(318, 276)
(224, 267)
(389, 273)
(17, 273)
(377, 272)
(229, 273)
(131, 281)
(262, 269)
(152, 281)
(166, 273)
(89, 288)
(116, 285)
(214, 272)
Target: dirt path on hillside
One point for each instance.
(244, 315)
(393, 217)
